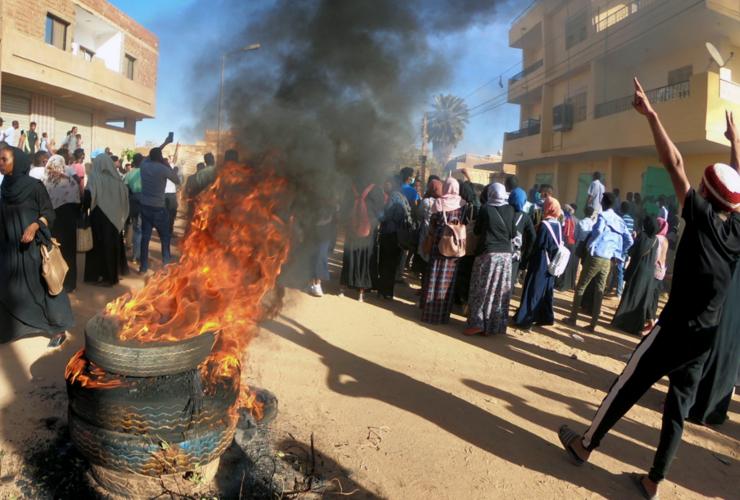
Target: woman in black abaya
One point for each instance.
(635, 308)
(26, 308)
(107, 198)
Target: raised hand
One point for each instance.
(641, 102)
(731, 131)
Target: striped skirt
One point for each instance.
(490, 293)
(438, 290)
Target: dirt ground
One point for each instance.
(398, 409)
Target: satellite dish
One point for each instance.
(715, 54)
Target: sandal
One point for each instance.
(637, 479)
(57, 340)
(567, 436)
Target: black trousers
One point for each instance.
(677, 352)
(391, 256)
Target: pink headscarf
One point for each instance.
(450, 199)
(662, 226)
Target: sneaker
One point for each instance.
(316, 290)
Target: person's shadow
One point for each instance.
(451, 413)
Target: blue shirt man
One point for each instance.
(609, 240)
(407, 186)
(154, 175)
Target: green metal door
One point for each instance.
(656, 182)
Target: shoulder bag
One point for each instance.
(84, 233)
(452, 243)
(556, 266)
(53, 266)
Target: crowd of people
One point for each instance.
(104, 209)
(467, 244)
(470, 246)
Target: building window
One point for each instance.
(580, 106)
(116, 123)
(680, 75)
(56, 32)
(576, 29)
(130, 63)
(86, 53)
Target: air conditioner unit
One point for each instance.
(562, 117)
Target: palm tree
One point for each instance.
(447, 121)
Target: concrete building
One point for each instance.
(82, 63)
(575, 91)
(483, 169)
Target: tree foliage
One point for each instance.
(447, 121)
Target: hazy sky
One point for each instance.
(481, 55)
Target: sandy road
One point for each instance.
(401, 410)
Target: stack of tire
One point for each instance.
(159, 420)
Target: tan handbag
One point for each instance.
(53, 267)
(453, 239)
(84, 239)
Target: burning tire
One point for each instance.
(166, 407)
(103, 348)
(149, 456)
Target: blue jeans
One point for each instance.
(154, 217)
(618, 277)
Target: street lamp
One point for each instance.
(247, 48)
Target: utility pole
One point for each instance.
(424, 142)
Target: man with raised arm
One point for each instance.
(680, 342)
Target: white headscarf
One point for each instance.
(497, 196)
(61, 187)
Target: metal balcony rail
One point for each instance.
(526, 71)
(532, 128)
(609, 19)
(679, 90)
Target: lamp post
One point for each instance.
(247, 48)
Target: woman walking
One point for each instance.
(490, 284)
(107, 198)
(536, 304)
(439, 284)
(635, 309)
(567, 281)
(661, 268)
(26, 212)
(65, 198)
(360, 259)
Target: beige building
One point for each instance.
(82, 63)
(483, 169)
(575, 91)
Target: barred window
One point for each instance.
(576, 29)
(579, 103)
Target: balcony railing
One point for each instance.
(679, 90)
(611, 17)
(526, 71)
(532, 128)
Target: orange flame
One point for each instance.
(231, 257)
(87, 374)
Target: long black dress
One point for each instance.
(720, 371)
(103, 262)
(65, 232)
(635, 308)
(26, 308)
(360, 259)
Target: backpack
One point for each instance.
(557, 266)
(517, 241)
(452, 243)
(360, 218)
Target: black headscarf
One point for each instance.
(19, 185)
